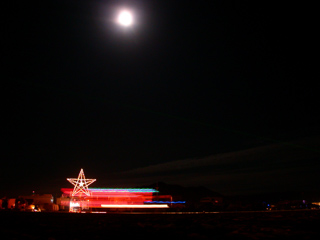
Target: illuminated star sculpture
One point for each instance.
(81, 184)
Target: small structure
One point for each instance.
(38, 198)
(7, 203)
(37, 202)
(11, 203)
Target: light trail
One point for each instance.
(134, 206)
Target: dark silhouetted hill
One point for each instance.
(183, 193)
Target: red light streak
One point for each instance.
(134, 206)
(118, 198)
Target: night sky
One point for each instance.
(197, 93)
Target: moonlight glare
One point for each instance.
(125, 18)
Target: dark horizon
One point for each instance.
(214, 94)
(230, 174)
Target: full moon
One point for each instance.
(125, 18)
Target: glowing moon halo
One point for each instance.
(125, 18)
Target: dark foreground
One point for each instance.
(241, 225)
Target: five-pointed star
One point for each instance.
(81, 184)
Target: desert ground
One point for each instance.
(302, 224)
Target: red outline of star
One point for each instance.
(81, 184)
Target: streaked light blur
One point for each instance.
(134, 206)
